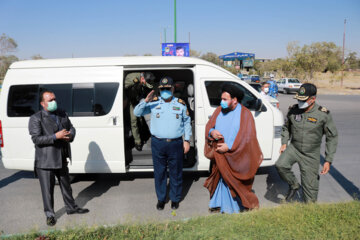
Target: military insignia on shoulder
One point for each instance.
(135, 80)
(324, 109)
(181, 101)
(155, 99)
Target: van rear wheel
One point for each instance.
(285, 91)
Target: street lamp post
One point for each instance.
(174, 21)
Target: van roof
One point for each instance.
(109, 61)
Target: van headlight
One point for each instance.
(277, 131)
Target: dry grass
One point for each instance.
(329, 83)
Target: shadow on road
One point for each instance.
(188, 179)
(275, 186)
(15, 177)
(345, 183)
(101, 185)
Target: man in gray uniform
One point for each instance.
(305, 126)
(137, 86)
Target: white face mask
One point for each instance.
(266, 90)
(302, 104)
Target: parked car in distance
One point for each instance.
(273, 101)
(288, 85)
(255, 78)
(243, 76)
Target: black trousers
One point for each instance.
(47, 183)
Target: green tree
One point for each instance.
(7, 44)
(317, 57)
(211, 57)
(352, 62)
(5, 62)
(194, 53)
(36, 57)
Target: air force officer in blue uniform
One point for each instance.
(171, 130)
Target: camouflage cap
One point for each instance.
(306, 90)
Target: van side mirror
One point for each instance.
(259, 106)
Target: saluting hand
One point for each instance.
(142, 80)
(186, 147)
(149, 97)
(222, 148)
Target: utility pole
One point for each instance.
(174, 21)
(165, 35)
(343, 56)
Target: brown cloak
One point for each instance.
(238, 166)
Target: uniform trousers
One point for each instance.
(168, 154)
(309, 169)
(47, 183)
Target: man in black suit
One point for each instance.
(51, 131)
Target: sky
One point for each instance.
(94, 28)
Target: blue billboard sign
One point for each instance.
(248, 63)
(176, 49)
(237, 55)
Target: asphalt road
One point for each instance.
(118, 198)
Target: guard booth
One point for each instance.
(238, 59)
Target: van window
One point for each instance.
(105, 94)
(23, 100)
(83, 99)
(90, 99)
(62, 93)
(213, 89)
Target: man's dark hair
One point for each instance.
(43, 92)
(233, 90)
(263, 83)
(178, 48)
(149, 77)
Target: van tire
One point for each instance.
(285, 91)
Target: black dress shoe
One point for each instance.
(138, 147)
(291, 194)
(50, 221)
(79, 211)
(160, 205)
(174, 205)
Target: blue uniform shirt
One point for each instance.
(273, 89)
(168, 120)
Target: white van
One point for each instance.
(91, 91)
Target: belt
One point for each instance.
(167, 139)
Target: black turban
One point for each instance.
(234, 91)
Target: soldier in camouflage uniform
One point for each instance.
(137, 86)
(305, 126)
